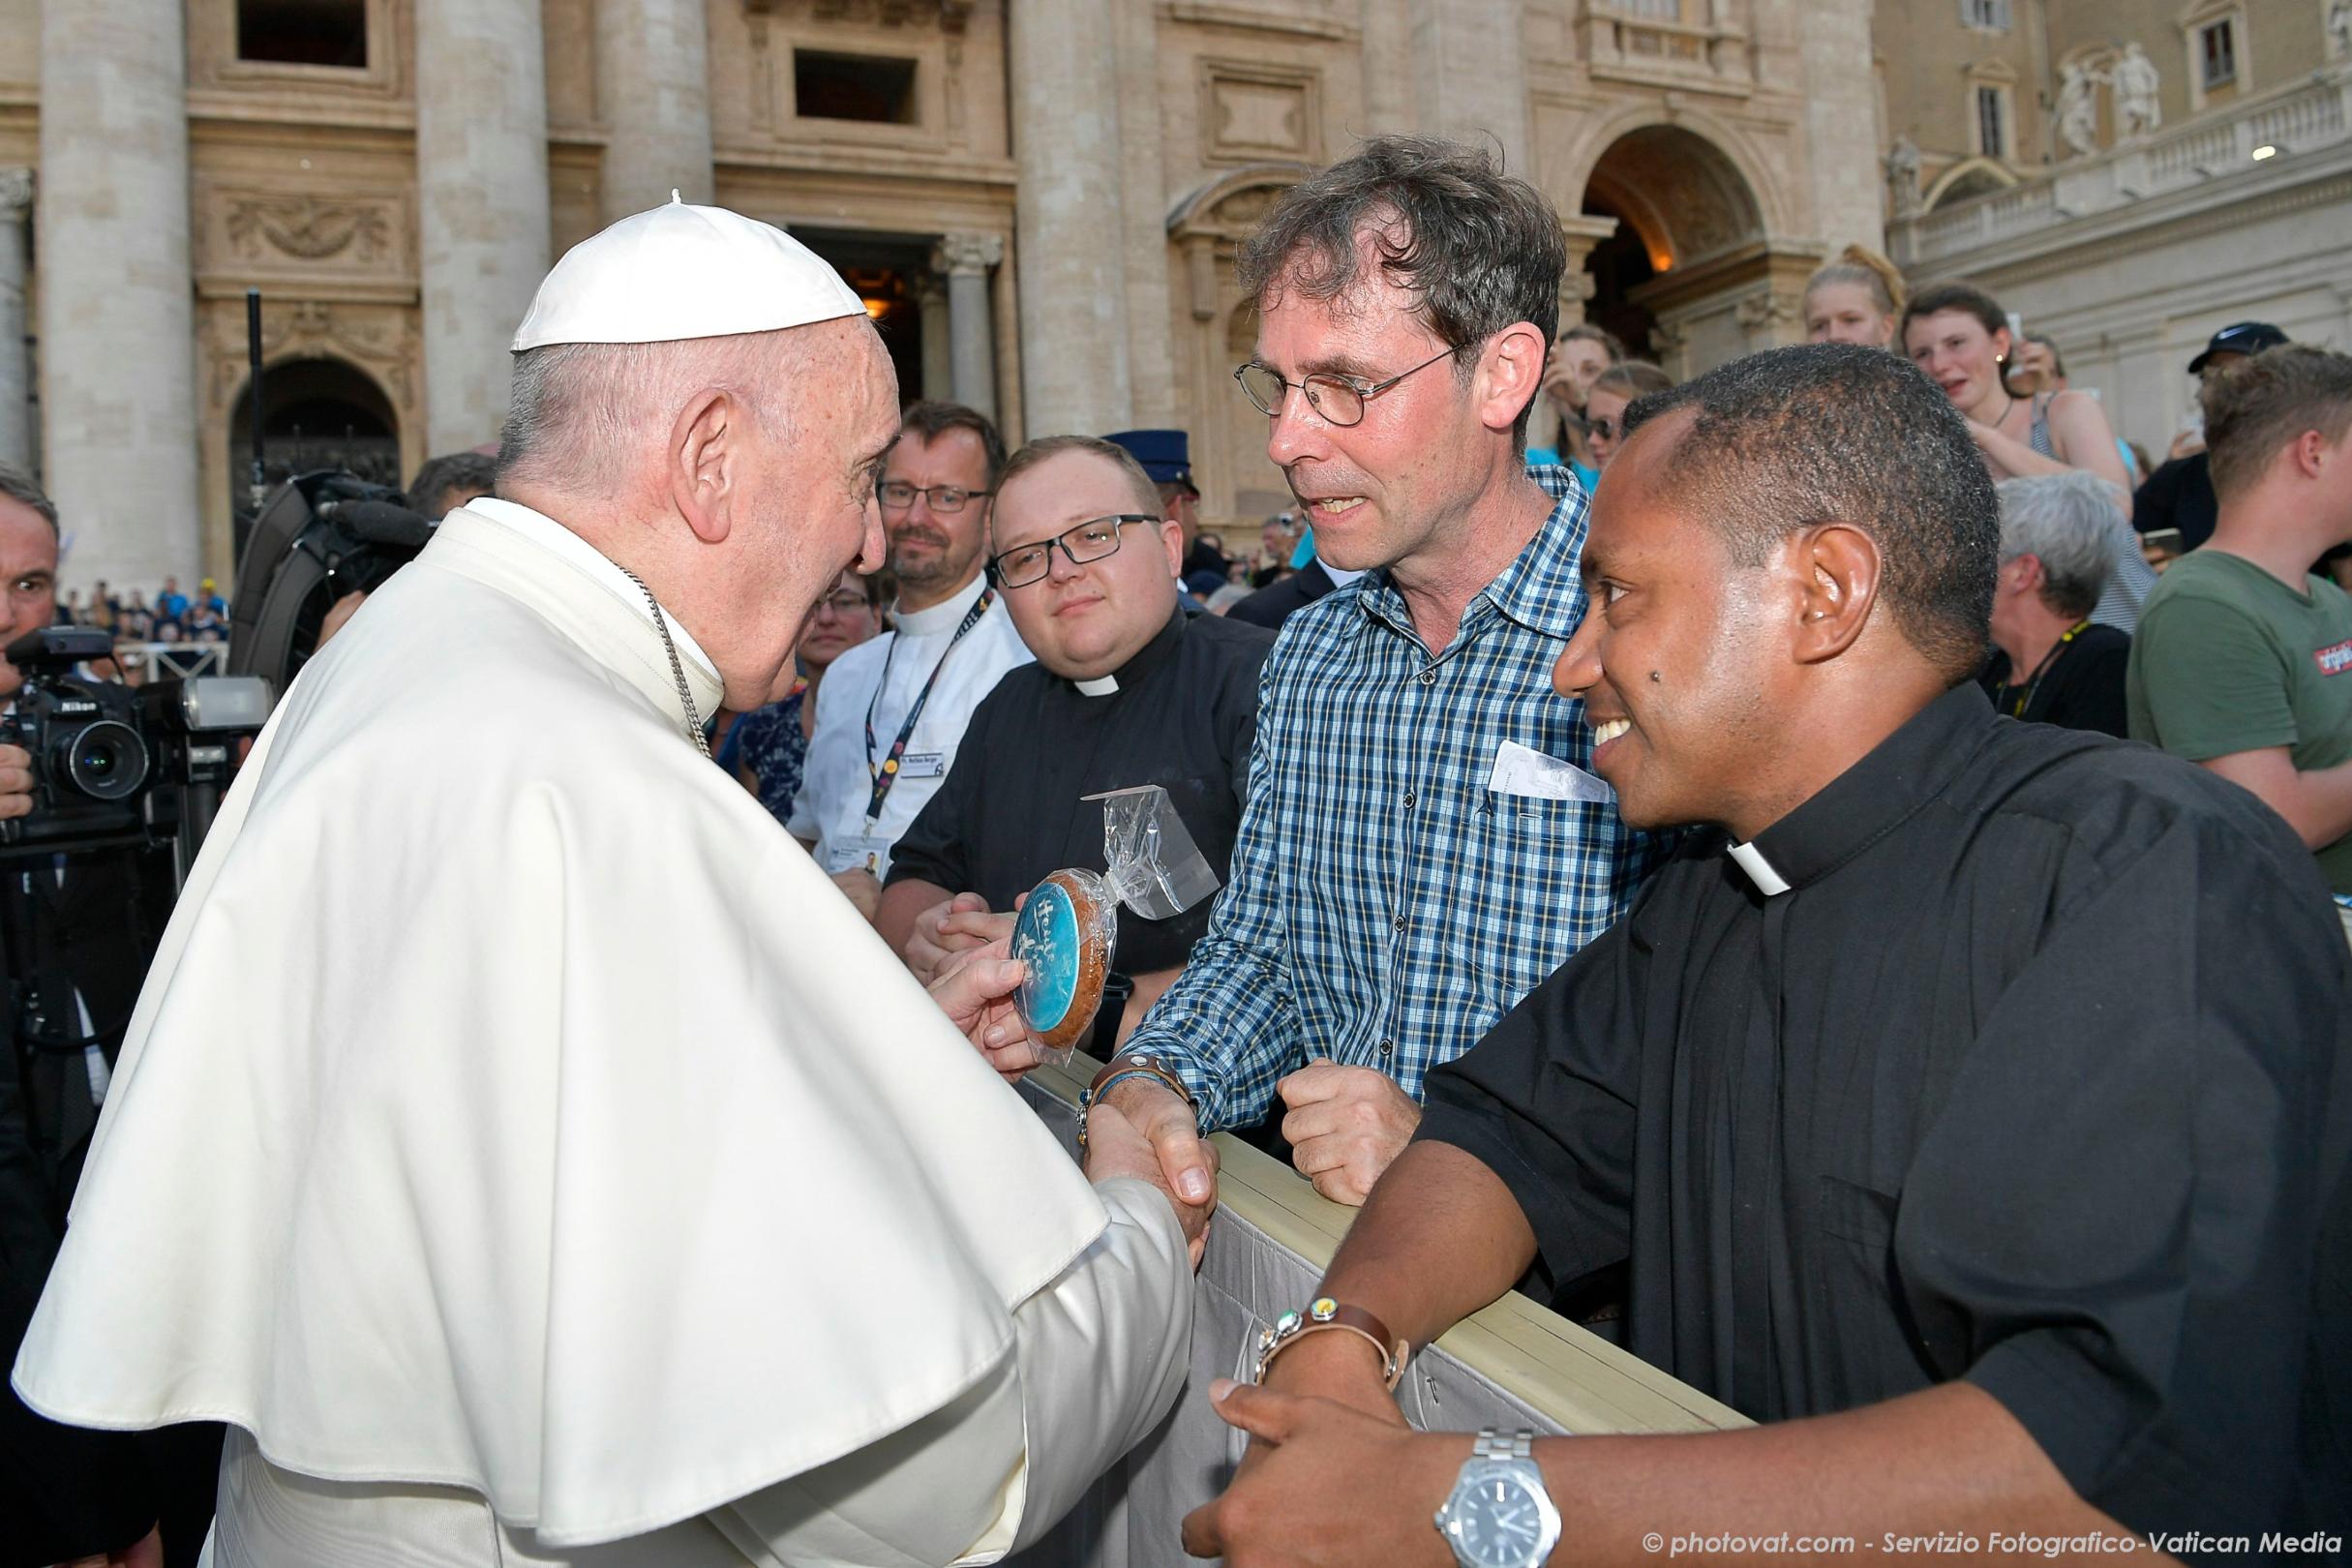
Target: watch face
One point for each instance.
(1498, 1524)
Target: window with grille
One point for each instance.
(304, 32)
(2218, 54)
(1993, 16)
(1651, 10)
(1991, 123)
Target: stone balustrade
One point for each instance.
(2307, 116)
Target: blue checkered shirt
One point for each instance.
(1385, 907)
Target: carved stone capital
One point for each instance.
(16, 195)
(1762, 309)
(968, 254)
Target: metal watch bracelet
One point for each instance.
(1122, 1068)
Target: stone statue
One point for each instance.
(2078, 107)
(2339, 28)
(1903, 174)
(2134, 82)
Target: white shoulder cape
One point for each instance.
(513, 1105)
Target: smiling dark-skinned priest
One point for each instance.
(1968, 1103)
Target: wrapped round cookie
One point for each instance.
(1065, 933)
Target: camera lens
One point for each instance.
(105, 760)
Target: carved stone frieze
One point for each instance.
(951, 15)
(1765, 310)
(383, 339)
(308, 228)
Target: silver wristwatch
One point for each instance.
(1499, 1514)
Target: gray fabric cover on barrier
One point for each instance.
(1245, 1280)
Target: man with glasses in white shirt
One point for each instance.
(893, 710)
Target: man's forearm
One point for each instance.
(1440, 1237)
(1944, 1462)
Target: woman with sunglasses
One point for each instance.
(766, 747)
(1607, 400)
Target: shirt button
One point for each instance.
(1388, 1047)
(1401, 925)
(1408, 800)
(1428, 677)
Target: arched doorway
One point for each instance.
(1689, 278)
(316, 413)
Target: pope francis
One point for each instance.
(519, 1143)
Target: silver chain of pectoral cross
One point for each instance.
(678, 668)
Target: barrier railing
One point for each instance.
(1513, 1365)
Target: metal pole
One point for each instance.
(259, 480)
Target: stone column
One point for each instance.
(654, 94)
(1842, 124)
(117, 296)
(17, 444)
(931, 303)
(482, 204)
(1073, 274)
(966, 259)
(1469, 76)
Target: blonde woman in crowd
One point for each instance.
(1855, 298)
(1606, 402)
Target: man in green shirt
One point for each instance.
(2244, 659)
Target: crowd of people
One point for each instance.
(1682, 850)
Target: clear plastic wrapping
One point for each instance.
(1069, 926)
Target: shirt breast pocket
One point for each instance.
(1535, 864)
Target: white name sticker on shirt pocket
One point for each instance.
(1522, 770)
(923, 764)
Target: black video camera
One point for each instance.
(118, 765)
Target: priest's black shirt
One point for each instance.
(1012, 811)
(2036, 1076)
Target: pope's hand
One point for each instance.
(975, 990)
(15, 782)
(1117, 1147)
(1325, 1485)
(1188, 1164)
(862, 890)
(1345, 1127)
(954, 925)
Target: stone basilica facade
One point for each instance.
(1039, 199)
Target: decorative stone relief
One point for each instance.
(1252, 112)
(383, 339)
(1759, 311)
(1903, 177)
(951, 14)
(16, 195)
(967, 254)
(308, 229)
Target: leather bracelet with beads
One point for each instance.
(1130, 1067)
(1322, 1314)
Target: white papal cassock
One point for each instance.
(533, 1158)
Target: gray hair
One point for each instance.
(2070, 523)
(17, 486)
(575, 410)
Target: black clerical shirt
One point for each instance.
(2034, 1074)
(1183, 714)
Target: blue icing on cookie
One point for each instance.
(1046, 937)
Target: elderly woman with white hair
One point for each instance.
(2059, 662)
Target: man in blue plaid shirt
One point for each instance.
(1417, 852)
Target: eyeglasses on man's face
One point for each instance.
(1091, 540)
(1337, 400)
(897, 495)
(843, 605)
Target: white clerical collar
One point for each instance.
(941, 618)
(553, 537)
(1100, 686)
(1751, 860)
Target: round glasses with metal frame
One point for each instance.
(897, 494)
(1092, 540)
(1337, 400)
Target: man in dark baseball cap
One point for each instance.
(2235, 343)
(2178, 497)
